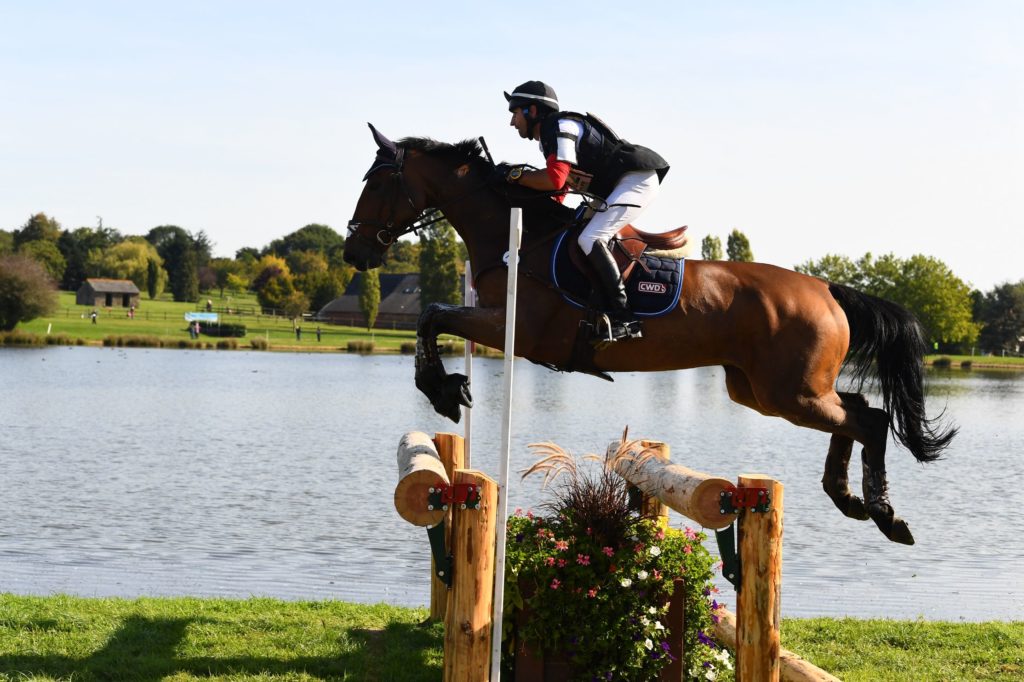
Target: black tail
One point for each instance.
(890, 336)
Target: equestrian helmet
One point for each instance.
(533, 92)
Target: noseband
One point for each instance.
(389, 232)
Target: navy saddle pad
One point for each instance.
(650, 294)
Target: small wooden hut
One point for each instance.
(108, 293)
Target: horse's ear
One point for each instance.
(382, 142)
(462, 170)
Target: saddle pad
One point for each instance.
(650, 294)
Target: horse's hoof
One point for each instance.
(892, 526)
(457, 386)
(854, 508)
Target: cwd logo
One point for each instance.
(652, 288)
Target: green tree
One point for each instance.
(185, 280)
(711, 248)
(369, 296)
(1001, 312)
(26, 291)
(222, 267)
(46, 254)
(737, 247)
(403, 257)
(313, 237)
(153, 271)
(834, 268)
(39, 227)
(439, 265)
(6, 242)
(83, 246)
(303, 262)
(130, 260)
(322, 287)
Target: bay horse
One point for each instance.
(781, 336)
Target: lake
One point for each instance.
(130, 472)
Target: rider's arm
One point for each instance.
(548, 179)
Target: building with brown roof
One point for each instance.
(108, 293)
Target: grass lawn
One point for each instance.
(70, 638)
(165, 319)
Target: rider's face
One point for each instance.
(520, 123)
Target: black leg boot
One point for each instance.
(621, 325)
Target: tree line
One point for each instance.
(301, 271)
(304, 270)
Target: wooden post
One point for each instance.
(758, 606)
(650, 505)
(467, 627)
(794, 668)
(451, 450)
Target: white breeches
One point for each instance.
(625, 203)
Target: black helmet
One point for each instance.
(533, 92)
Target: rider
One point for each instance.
(582, 152)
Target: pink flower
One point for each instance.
(583, 559)
(690, 534)
(561, 563)
(656, 574)
(529, 513)
(550, 561)
(638, 547)
(555, 583)
(518, 511)
(592, 592)
(687, 549)
(660, 535)
(608, 551)
(561, 545)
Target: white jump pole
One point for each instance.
(469, 300)
(515, 234)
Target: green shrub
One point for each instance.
(942, 363)
(360, 346)
(18, 338)
(259, 343)
(408, 348)
(223, 329)
(227, 344)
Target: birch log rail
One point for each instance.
(712, 502)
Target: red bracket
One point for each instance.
(443, 495)
(734, 499)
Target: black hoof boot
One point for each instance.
(454, 394)
(876, 496)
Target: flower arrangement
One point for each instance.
(596, 578)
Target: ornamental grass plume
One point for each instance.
(595, 578)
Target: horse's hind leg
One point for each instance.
(870, 426)
(836, 481)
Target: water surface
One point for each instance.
(158, 472)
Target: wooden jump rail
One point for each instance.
(756, 506)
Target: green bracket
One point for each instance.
(731, 567)
(442, 559)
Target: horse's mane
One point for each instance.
(460, 151)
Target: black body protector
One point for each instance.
(602, 157)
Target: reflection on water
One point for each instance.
(149, 472)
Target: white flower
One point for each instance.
(711, 674)
(651, 610)
(655, 551)
(642, 575)
(626, 582)
(658, 625)
(649, 644)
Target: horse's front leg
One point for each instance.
(447, 392)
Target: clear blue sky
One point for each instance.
(814, 127)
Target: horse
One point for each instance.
(782, 337)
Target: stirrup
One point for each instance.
(609, 331)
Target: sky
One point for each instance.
(812, 127)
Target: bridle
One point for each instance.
(389, 232)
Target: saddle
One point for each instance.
(629, 247)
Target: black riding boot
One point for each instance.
(621, 323)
